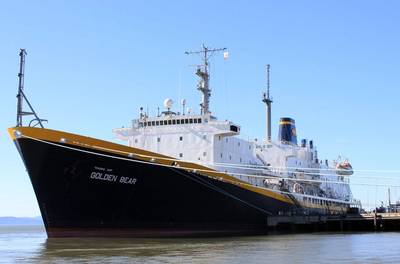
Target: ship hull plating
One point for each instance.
(86, 192)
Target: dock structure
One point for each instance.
(345, 223)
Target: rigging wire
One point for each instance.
(257, 167)
(178, 167)
(213, 171)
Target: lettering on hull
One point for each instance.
(106, 174)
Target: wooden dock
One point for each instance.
(346, 223)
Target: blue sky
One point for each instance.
(92, 64)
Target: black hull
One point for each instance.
(80, 193)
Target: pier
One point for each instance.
(345, 223)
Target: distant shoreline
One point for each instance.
(11, 220)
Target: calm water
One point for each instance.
(26, 244)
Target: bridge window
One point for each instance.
(234, 128)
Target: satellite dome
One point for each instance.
(168, 103)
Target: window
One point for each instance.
(157, 123)
(238, 144)
(158, 139)
(165, 122)
(204, 137)
(169, 122)
(191, 121)
(249, 147)
(186, 121)
(226, 140)
(204, 154)
(240, 160)
(135, 140)
(161, 123)
(180, 138)
(234, 128)
(219, 137)
(178, 121)
(180, 155)
(153, 123)
(195, 120)
(221, 155)
(199, 120)
(230, 157)
(174, 122)
(149, 123)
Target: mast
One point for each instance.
(203, 72)
(267, 99)
(21, 96)
(22, 54)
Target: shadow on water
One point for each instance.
(144, 250)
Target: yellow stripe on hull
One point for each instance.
(140, 154)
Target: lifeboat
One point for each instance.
(344, 168)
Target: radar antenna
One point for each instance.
(267, 99)
(203, 73)
(21, 96)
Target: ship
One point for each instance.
(179, 174)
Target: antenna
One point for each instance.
(267, 99)
(183, 102)
(21, 95)
(203, 73)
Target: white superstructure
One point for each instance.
(280, 165)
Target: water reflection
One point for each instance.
(20, 246)
(320, 248)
